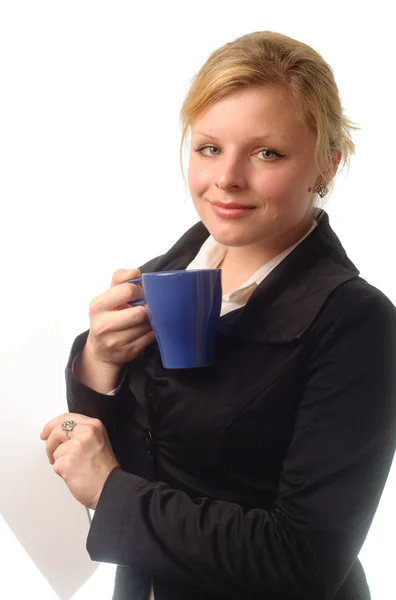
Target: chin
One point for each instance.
(231, 234)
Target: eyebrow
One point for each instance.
(256, 138)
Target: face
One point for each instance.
(253, 149)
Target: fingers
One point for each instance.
(115, 297)
(119, 347)
(59, 451)
(127, 343)
(122, 275)
(60, 466)
(56, 422)
(137, 345)
(57, 438)
(131, 322)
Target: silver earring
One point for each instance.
(322, 189)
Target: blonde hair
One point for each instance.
(265, 57)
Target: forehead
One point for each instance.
(265, 110)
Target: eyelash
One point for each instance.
(277, 154)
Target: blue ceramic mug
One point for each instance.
(183, 308)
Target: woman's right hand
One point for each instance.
(118, 331)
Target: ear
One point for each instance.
(336, 161)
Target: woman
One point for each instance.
(259, 476)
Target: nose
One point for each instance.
(230, 176)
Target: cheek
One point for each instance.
(274, 188)
(283, 186)
(199, 179)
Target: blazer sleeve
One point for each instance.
(84, 400)
(332, 480)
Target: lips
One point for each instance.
(231, 210)
(230, 205)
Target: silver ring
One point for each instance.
(68, 426)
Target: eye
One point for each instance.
(201, 150)
(270, 154)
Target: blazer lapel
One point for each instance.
(287, 301)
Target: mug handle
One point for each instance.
(136, 302)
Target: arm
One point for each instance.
(97, 376)
(89, 387)
(83, 399)
(333, 477)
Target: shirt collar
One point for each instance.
(212, 253)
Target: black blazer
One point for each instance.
(257, 477)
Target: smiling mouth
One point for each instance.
(231, 210)
(232, 206)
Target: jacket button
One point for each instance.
(149, 441)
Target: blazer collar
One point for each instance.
(287, 301)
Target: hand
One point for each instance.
(118, 331)
(83, 457)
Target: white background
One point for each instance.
(90, 182)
